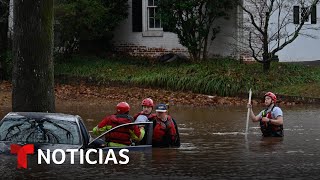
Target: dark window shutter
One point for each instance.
(296, 14)
(314, 14)
(136, 15)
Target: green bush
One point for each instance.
(87, 24)
(6, 65)
(195, 22)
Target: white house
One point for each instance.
(142, 35)
(304, 47)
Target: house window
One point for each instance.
(301, 14)
(153, 17)
(304, 14)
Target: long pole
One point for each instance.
(248, 113)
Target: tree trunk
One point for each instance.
(32, 77)
(4, 13)
(266, 62)
(193, 55)
(205, 48)
(266, 66)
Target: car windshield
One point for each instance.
(45, 130)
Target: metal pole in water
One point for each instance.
(248, 113)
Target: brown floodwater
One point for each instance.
(213, 147)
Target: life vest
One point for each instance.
(149, 116)
(269, 129)
(120, 135)
(164, 133)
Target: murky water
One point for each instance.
(213, 147)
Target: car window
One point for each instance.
(44, 130)
(84, 132)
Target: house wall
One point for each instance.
(226, 42)
(146, 43)
(155, 43)
(303, 48)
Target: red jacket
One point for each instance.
(164, 132)
(120, 135)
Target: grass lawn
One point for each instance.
(223, 77)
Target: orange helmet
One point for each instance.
(272, 96)
(147, 102)
(122, 108)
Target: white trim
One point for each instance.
(152, 33)
(144, 16)
(149, 32)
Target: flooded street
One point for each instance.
(213, 147)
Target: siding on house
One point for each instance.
(226, 42)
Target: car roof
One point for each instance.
(40, 115)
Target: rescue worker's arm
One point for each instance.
(253, 117)
(136, 134)
(101, 127)
(277, 121)
(173, 133)
(279, 117)
(277, 112)
(176, 142)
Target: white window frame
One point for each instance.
(145, 18)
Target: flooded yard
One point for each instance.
(213, 146)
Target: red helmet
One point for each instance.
(122, 108)
(273, 97)
(147, 102)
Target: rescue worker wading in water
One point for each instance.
(145, 114)
(271, 119)
(165, 130)
(123, 136)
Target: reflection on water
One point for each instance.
(213, 146)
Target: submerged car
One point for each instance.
(55, 130)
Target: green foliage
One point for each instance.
(79, 22)
(192, 21)
(224, 77)
(6, 64)
(4, 11)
